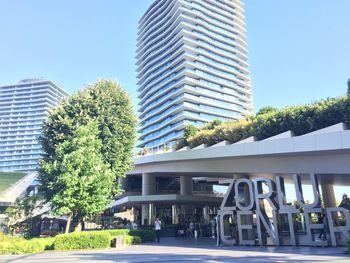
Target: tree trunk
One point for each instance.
(68, 223)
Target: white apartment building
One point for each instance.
(23, 108)
(192, 66)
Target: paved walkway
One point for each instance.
(188, 250)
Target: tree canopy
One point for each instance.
(83, 183)
(189, 131)
(266, 109)
(87, 145)
(345, 202)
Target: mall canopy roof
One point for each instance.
(325, 152)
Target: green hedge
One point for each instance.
(46, 243)
(136, 240)
(114, 232)
(145, 235)
(131, 240)
(82, 240)
(300, 120)
(101, 239)
(19, 245)
(79, 240)
(22, 247)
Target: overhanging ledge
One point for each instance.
(174, 198)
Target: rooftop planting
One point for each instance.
(300, 119)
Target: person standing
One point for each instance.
(158, 227)
(129, 225)
(191, 228)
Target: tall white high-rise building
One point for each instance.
(23, 108)
(192, 67)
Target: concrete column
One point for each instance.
(175, 214)
(186, 185)
(148, 188)
(151, 214)
(148, 215)
(186, 188)
(144, 214)
(148, 184)
(206, 214)
(328, 195)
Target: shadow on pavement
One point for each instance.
(168, 257)
(208, 243)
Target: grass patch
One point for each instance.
(8, 179)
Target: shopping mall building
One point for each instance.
(270, 176)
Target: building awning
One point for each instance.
(171, 198)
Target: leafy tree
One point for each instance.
(345, 202)
(190, 130)
(107, 105)
(213, 124)
(83, 183)
(348, 91)
(267, 109)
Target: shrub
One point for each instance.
(19, 245)
(130, 240)
(125, 233)
(24, 247)
(46, 243)
(82, 240)
(79, 240)
(116, 232)
(347, 245)
(126, 240)
(136, 239)
(3, 237)
(145, 235)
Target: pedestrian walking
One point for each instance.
(158, 227)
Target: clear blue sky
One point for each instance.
(299, 50)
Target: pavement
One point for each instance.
(188, 250)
